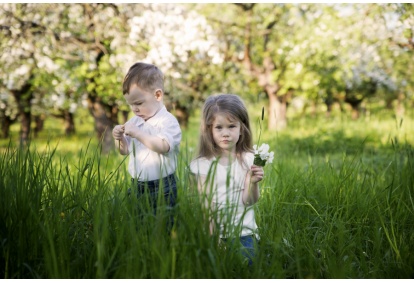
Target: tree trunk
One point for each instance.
(180, 112)
(39, 124)
(105, 115)
(388, 103)
(355, 111)
(104, 122)
(5, 127)
(23, 96)
(25, 121)
(277, 105)
(277, 112)
(182, 116)
(354, 102)
(69, 123)
(328, 110)
(124, 115)
(329, 101)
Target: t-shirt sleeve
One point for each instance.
(249, 158)
(171, 133)
(200, 166)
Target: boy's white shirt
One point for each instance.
(145, 164)
(227, 196)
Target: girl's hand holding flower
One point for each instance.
(257, 174)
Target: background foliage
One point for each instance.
(57, 58)
(336, 82)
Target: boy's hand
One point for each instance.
(130, 129)
(257, 174)
(118, 132)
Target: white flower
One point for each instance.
(262, 155)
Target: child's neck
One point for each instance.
(226, 158)
(158, 110)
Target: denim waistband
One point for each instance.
(154, 183)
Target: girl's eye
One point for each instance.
(218, 127)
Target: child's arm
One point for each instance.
(251, 191)
(153, 143)
(120, 140)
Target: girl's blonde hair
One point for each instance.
(232, 106)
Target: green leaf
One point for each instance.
(258, 161)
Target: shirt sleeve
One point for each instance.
(249, 158)
(200, 166)
(171, 133)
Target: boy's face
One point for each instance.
(143, 103)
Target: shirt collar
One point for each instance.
(154, 119)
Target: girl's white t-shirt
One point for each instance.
(225, 185)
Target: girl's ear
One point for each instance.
(159, 94)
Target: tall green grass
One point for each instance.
(336, 203)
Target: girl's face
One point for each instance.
(226, 133)
(143, 103)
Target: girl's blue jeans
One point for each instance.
(246, 245)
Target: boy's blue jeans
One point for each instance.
(147, 192)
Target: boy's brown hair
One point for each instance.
(146, 76)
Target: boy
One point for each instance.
(152, 137)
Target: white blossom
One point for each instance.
(172, 34)
(263, 153)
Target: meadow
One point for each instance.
(337, 202)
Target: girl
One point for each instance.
(226, 176)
